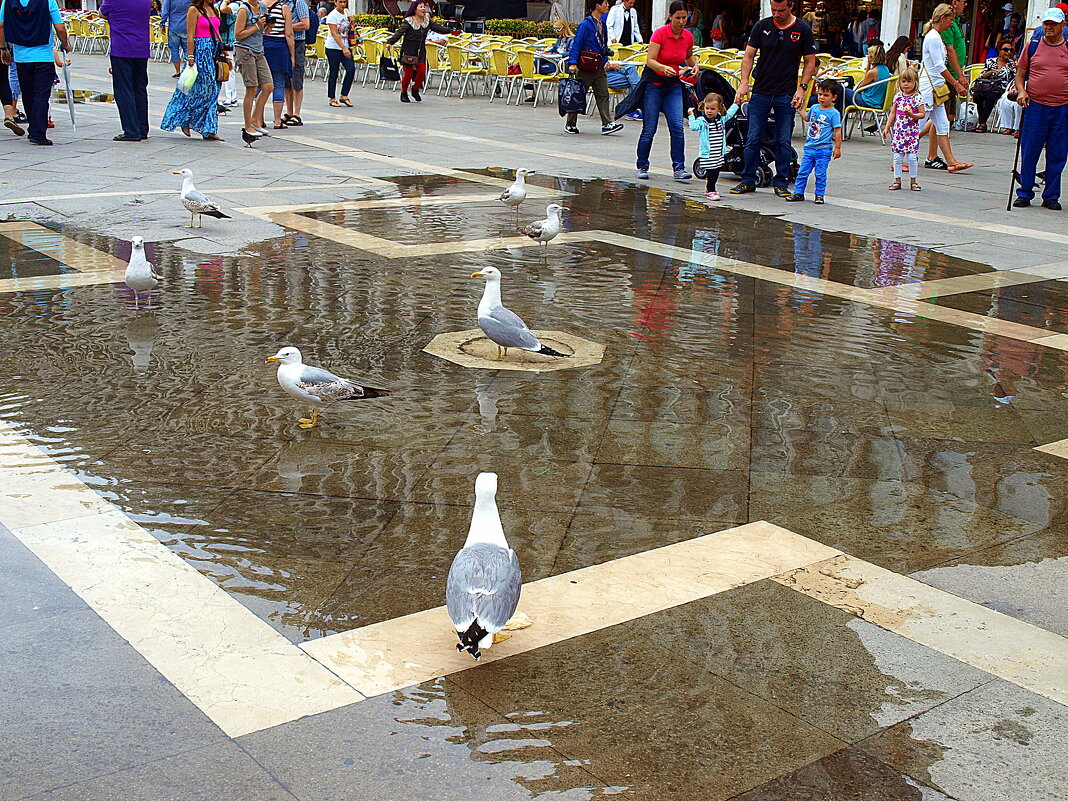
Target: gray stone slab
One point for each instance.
(998, 742)
(29, 591)
(213, 773)
(79, 702)
(436, 741)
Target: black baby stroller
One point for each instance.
(736, 130)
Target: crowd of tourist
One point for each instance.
(212, 42)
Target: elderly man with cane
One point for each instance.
(1042, 90)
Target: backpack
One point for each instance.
(312, 34)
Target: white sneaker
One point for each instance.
(712, 195)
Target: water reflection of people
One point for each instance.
(808, 250)
(705, 243)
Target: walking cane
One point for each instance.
(1016, 161)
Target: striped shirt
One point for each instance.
(274, 15)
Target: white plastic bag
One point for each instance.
(187, 79)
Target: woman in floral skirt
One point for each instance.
(197, 110)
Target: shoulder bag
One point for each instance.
(940, 94)
(592, 60)
(222, 63)
(408, 59)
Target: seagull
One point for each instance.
(197, 202)
(501, 326)
(484, 581)
(250, 138)
(545, 231)
(517, 192)
(139, 275)
(316, 386)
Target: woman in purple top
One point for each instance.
(128, 20)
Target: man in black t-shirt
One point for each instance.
(783, 41)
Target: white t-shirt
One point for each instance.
(335, 17)
(934, 64)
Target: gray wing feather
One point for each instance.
(484, 583)
(317, 375)
(508, 330)
(196, 196)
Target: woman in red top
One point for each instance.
(670, 55)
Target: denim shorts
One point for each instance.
(179, 45)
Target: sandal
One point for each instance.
(346, 102)
(13, 126)
(895, 185)
(286, 118)
(980, 128)
(213, 138)
(280, 127)
(915, 187)
(334, 103)
(960, 166)
(294, 120)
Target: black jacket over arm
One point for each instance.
(414, 43)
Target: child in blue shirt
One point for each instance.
(823, 140)
(710, 117)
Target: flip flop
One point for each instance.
(915, 187)
(334, 103)
(894, 186)
(960, 166)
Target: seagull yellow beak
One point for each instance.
(477, 275)
(271, 359)
(175, 172)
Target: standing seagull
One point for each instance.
(484, 581)
(196, 201)
(545, 231)
(503, 327)
(517, 192)
(316, 386)
(139, 275)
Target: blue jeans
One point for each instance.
(760, 107)
(626, 77)
(667, 99)
(36, 79)
(813, 159)
(129, 77)
(1043, 126)
(179, 45)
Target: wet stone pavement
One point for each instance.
(894, 435)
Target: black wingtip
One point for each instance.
(217, 215)
(372, 392)
(470, 639)
(547, 351)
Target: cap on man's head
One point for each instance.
(1008, 7)
(1053, 15)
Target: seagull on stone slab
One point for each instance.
(196, 202)
(503, 327)
(139, 276)
(482, 591)
(515, 194)
(315, 386)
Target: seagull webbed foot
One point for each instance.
(309, 422)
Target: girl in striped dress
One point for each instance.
(708, 120)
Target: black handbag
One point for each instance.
(571, 96)
(409, 60)
(633, 101)
(387, 70)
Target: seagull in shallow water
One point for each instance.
(505, 328)
(315, 386)
(482, 591)
(517, 192)
(139, 275)
(545, 231)
(196, 202)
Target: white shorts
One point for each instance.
(937, 115)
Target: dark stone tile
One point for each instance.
(806, 452)
(433, 741)
(713, 446)
(641, 717)
(206, 774)
(97, 706)
(29, 591)
(903, 526)
(847, 774)
(681, 493)
(997, 742)
(1024, 578)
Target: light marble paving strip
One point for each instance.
(1026, 655)
(232, 665)
(1058, 448)
(976, 322)
(383, 203)
(409, 650)
(979, 282)
(65, 250)
(65, 281)
(390, 249)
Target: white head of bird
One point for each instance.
(491, 296)
(286, 356)
(523, 173)
(554, 209)
(485, 520)
(185, 172)
(137, 242)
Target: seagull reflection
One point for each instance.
(141, 333)
(487, 393)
